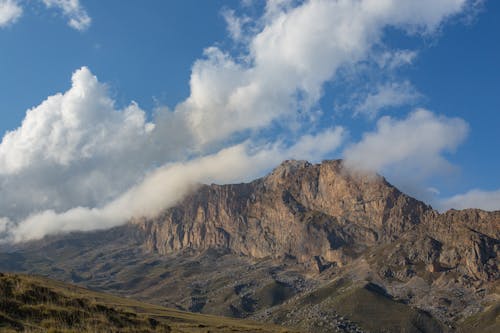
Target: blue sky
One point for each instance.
(428, 84)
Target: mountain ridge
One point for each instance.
(247, 250)
(274, 215)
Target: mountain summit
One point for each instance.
(306, 211)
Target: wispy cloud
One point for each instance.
(486, 200)
(72, 9)
(383, 96)
(235, 24)
(78, 18)
(410, 149)
(167, 185)
(10, 12)
(395, 59)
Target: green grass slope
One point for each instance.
(36, 304)
(345, 306)
(376, 312)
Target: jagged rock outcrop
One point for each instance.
(464, 242)
(470, 242)
(304, 211)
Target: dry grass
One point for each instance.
(35, 304)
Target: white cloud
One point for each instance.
(5, 225)
(295, 51)
(10, 12)
(76, 148)
(167, 185)
(235, 24)
(78, 18)
(410, 152)
(486, 200)
(386, 95)
(77, 125)
(395, 59)
(314, 147)
(414, 145)
(74, 11)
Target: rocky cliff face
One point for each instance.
(304, 211)
(464, 244)
(322, 215)
(469, 241)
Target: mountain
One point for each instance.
(306, 245)
(36, 304)
(312, 213)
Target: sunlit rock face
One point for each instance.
(323, 215)
(299, 210)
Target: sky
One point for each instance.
(115, 109)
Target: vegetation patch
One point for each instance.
(35, 304)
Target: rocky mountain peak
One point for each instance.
(300, 210)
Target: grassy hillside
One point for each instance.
(36, 304)
(345, 306)
(377, 312)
